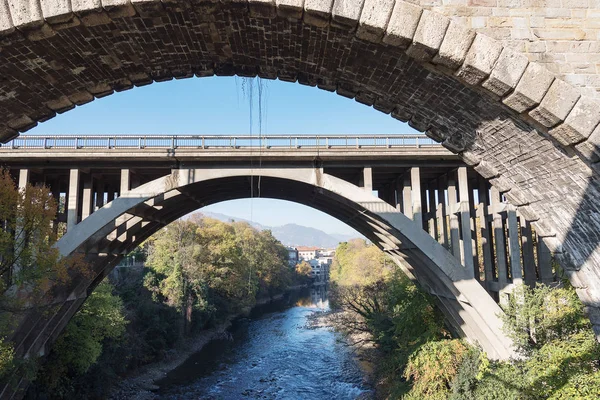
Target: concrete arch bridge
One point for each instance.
(440, 220)
(509, 86)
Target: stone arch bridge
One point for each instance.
(440, 220)
(508, 85)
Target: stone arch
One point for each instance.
(124, 223)
(533, 135)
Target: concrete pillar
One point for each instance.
(442, 212)
(432, 213)
(24, 176)
(110, 193)
(407, 197)
(514, 246)
(73, 199)
(528, 256)
(486, 235)
(87, 202)
(125, 181)
(368, 179)
(465, 222)
(544, 261)
(399, 192)
(500, 243)
(454, 225)
(415, 183)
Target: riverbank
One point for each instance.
(141, 384)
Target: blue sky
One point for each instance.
(221, 105)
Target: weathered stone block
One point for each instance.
(486, 169)
(57, 11)
(262, 8)
(530, 90)
(290, 8)
(590, 149)
(373, 19)
(26, 13)
(346, 13)
(402, 24)
(556, 104)
(7, 134)
(118, 8)
(428, 36)
(580, 122)
(317, 12)
(480, 60)
(506, 73)
(81, 98)
(6, 24)
(455, 46)
(21, 123)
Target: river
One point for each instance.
(273, 354)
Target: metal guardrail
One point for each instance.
(219, 142)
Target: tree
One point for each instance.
(304, 269)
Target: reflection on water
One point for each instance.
(273, 355)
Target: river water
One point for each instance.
(273, 354)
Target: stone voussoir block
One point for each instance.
(530, 90)
(346, 13)
(57, 11)
(118, 8)
(480, 60)
(402, 25)
(580, 122)
(454, 47)
(317, 13)
(486, 169)
(507, 72)
(26, 14)
(374, 19)
(428, 36)
(290, 8)
(558, 101)
(590, 149)
(6, 24)
(262, 8)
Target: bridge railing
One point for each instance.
(219, 142)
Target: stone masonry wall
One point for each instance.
(564, 35)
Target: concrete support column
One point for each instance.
(407, 197)
(465, 222)
(125, 181)
(442, 212)
(73, 199)
(454, 225)
(87, 203)
(500, 243)
(486, 236)
(368, 179)
(415, 183)
(432, 211)
(24, 176)
(110, 193)
(399, 192)
(514, 246)
(544, 261)
(100, 190)
(528, 256)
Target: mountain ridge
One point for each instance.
(291, 234)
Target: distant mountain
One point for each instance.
(292, 234)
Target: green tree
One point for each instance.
(81, 343)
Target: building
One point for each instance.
(292, 256)
(307, 253)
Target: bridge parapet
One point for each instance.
(90, 142)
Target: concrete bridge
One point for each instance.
(508, 85)
(440, 220)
